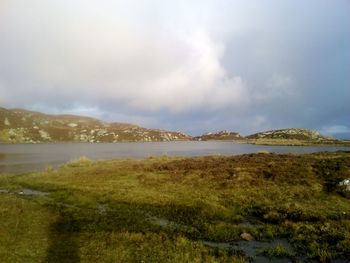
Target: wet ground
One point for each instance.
(24, 192)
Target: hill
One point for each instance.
(221, 136)
(23, 126)
(291, 136)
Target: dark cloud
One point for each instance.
(184, 65)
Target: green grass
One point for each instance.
(162, 209)
(24, 229)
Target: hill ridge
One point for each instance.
(24, 126)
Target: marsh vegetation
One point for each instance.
(201, 209)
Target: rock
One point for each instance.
(72, 125)
(6, 122)
(270, 164)
(83, 137)
(12, 132)
(346, 184)
(101, 132)
(246, 236)
(44, 135)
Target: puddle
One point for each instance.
(218, 244)
(31, 192)
(252, 249)
(262, 259)
(25, 192)
(163, 222)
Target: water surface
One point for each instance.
(19, 158)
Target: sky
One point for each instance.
(189, 65)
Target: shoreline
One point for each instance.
(243, 141)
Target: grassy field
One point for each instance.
(200, 209)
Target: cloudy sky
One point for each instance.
(194, 66)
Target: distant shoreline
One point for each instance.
(284, 142)
(271, 142)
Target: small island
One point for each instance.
(294, 137)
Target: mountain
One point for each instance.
(23, 126)
(222, 135)
(292, 136)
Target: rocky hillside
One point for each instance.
(222, 135)
(22, 126)
(292, 134)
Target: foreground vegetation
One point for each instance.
(199, 209)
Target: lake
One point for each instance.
(19, 158)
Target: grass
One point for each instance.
(162, 209)
(23, 230)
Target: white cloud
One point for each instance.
(197, 80)
(144, 66)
